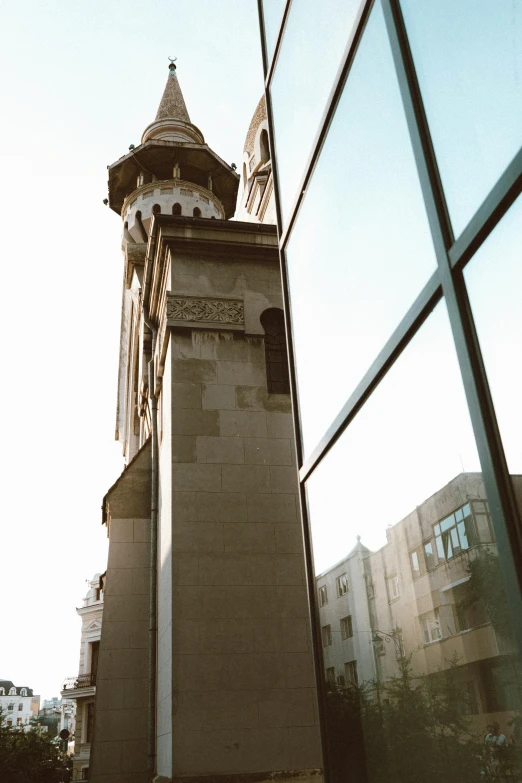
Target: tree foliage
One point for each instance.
(487, 583)
(406, 730)
(30, 756)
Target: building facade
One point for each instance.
(397, 168)
(416, 598)
(205, 667)
(18, 704)
(80, 689)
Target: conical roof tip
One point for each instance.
(172, 104)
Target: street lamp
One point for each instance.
(392, 636)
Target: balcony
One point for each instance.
(81, 685)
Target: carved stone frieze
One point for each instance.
(205, 310)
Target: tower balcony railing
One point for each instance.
(80, 681)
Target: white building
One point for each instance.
(18, 703)
(81, 688)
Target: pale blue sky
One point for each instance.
(80, 81)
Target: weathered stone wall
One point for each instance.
(119, 750)
(164, 673)
(242, 673)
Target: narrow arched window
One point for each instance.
(244, 176)
(176, 209)
(156, 209)
(276, 357)
(23, 692)
(12, 692)
(196, 212)
(2, 691)
(264, 146)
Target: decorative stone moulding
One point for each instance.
(205, 312)
(173, 130)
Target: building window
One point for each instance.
(156, 209)
(18, 721)
(23, 692)
(323, 595)
(342, 585)
(90, 722)
(12, 692)
(276, 357)
(85, 773)
(350, 672)
(10, 707)
(393, 587)
(196, 212)
(330, 675)
(176, 209)
(415, 563)
(430, 627)
(95, 652)
(455, 534)
(326, 632)
(467, 613)
(2, 691)
(20, 706)
(429, 556)
(264, 146)
(9, 724)
(346, 627)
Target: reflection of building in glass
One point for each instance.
(425, 595)
(397, 168)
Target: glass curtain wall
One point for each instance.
(397, 131)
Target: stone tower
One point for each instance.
(205, 667)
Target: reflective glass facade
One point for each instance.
(397, 132)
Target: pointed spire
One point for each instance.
(172, 121)
(172, 105)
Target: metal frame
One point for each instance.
(447, 283)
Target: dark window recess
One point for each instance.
(94, 661)
(276, 357)
(156, 209)
(264, 146)
(196, 212)
(176, 209)
(90, 722)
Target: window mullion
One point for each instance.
(495, 472)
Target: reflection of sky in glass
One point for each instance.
(468, 56)
(360, 250)
(303, 80)
(494, 281)
(272, 13)
(410, 438)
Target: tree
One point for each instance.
(406, 730)
(30, 756)
(486, 583)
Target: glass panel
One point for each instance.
(303, 80)
(494, 281)
(360, 250)
(393, 475)
(468, 57)
(272, 16)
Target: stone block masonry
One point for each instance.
(243, 689)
